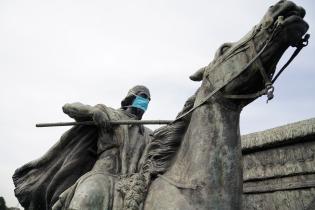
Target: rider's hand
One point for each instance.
(69, 110)
(101, 119)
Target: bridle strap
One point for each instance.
(229, 80)
(303, 43)
(268, 90)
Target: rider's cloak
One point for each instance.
(40, 183)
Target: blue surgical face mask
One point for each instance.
(140, 102)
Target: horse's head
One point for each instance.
(245, 67)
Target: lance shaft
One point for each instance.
(116, 122)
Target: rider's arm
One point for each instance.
(79, 111)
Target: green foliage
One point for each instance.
(2, 204)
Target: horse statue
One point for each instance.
(197, 160)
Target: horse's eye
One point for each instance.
(224, 49)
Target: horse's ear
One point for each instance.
(198, 75)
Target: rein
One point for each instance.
(269, 89)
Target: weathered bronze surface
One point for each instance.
(82, 169)
(195, 162)
(206, 173)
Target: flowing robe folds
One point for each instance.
(84, 159)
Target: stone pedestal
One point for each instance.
(279, 167)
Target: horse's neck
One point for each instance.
(212, 133)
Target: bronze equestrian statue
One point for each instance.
(196, 162)
(206, 171)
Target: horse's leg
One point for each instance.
(93, 192)
(164, 196)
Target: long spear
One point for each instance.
(116, 122)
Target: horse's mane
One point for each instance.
(157, 159)
(165, 142)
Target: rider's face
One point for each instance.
(143, 95)
(137, 111)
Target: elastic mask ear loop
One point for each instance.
(131, 103)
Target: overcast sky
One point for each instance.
(55, 52)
